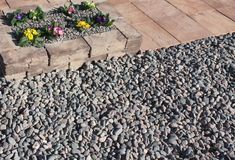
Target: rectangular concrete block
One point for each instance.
(134, 38)
(17, 76)
(74, 65)
(116, 55)
(14, 68)
(6, 42)
(107, 8)
(107, 42)
(17, 4)
(64, 52)
(58, 2)
(21, 59)
(133, 45)
(3, 5)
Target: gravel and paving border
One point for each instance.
(172, 103)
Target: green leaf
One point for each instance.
(30, 15)
(13, 22)
(38, 42)
(18, 11)
(110, 23)
(23, 42)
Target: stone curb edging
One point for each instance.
(17, 62)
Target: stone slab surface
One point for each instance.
(15, 4)
(6, 42)
(20, 60)
(78, 63)
(134, 38)
(16, 76)
(3, 5)
(106, 8)
(107, 42)
(66, 51)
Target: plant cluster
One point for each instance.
(38, 36)
(30, 36)
(18, 17)
(72, 8)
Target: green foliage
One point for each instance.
(38, 42)
(17, 18)
(36, 14)
(85, 5)
(69, 9)
(23, 42)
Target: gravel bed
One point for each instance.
(173, 103)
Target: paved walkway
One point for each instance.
(165, 22)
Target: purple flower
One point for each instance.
(49, 28)
(101, 19)
(19, 16)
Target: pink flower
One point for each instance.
(71, 10)
(58, 31)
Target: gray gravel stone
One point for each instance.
(171, 103)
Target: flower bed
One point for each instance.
(78, 34)
(36, 27)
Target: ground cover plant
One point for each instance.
(37, 27)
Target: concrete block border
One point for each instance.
(17, 62)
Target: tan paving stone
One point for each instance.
(58, 2)
(74, 65)
(64, 52)
(107, 42)
(191, 6)
(15, 4)
(116, 55)
(228, 11)
(19, 60)
(220, 3)
(134, 38)
(215, 22)
(107, 8)
(3, 5)
(116, 2)
(156, 33)
(78, 63)
(6, 42)
(17, 76)
(178, 24)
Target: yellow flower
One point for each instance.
(87, 26)
(34, 32)
(27, 31)
(30, 33)
(30, 37)
(83, 24)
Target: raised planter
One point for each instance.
(18, 62)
